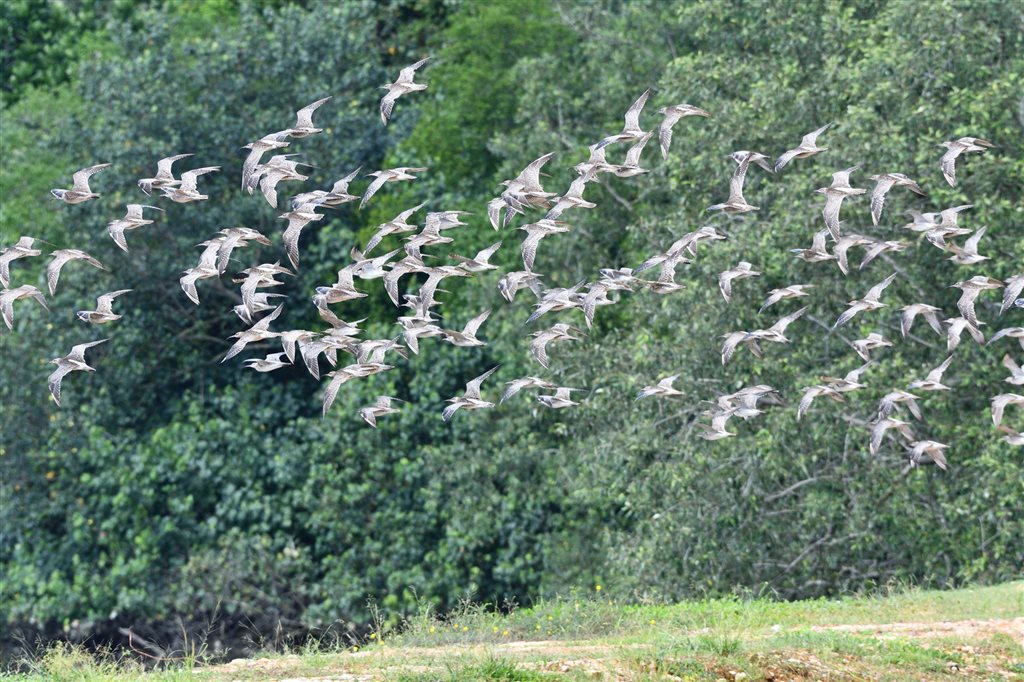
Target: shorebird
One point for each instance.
(390, 175)
(259, 277)
(666, 282)
(470, 400)
(927, 452)
(273, 172)
(72, 362)
(345, 374)
(1009, 332)
(631, 165)
(467, 337)
(402, 85)
(808, 147)
(23, 248)
(672, 116)
(62, 257)
(381, 407)
(416, 327)
(835, 193)
(1011, 294)
(930, 313)
(812, 392)
(873, 341)
(876, 249)
(662, 388)
(164, 177)
(556, 333)
(132, 219)
(882, 426)
(407, 265)
(557, 299)
(792, 291)
(560, 400)
(850, 382)
(295, 338)
(573, 198)
(818, 253)
(970, 289)
(304, 120)
(1001, 402)
(186, 192)
(189, 278)
(955, 326)
(104, 312)
(258, 332)
(434, 278)
(596, 162)
(933, 382)
(518, 385)
(296, 222)
(481, 262)
(631, 130)
(742, 270)
(395, 226)
(955, 149)
(522, 191)
(890, 400)
(1016, 377)
(968, 255)
(512, 282)
(80, 191)
(1012, 437)
(844, 244)
(736, 203)
(261, 304)
(9, 296)
(717, 430)
(258, 148)
(534, 233)
(230, 239)
(370, 268)
(884, 183)
(268, 364)
(344, 289)
(871, 301)
(732, 342)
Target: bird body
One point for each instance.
(72, 362)
(9, 296)
(954, 149)
(80, 191)
(402, 85)
(104, 309)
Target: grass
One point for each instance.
(595, 637)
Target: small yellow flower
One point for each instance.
(373, 635)
(652, 621)
(550, 618)
(597, 588)
(50, 475)
(494, 629)
(504, 633)
(432, 628)
(465, 628)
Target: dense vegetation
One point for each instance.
(171, 489)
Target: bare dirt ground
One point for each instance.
(623, 662)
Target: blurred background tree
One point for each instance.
(172, 487)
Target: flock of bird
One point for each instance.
(521, 195)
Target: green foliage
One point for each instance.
(170, 486)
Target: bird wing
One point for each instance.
(936, 374)
(875, 292)
(81, 178)
(105, 302)
(55, 379)
(377, 183)
(331, 392)
(786, 157)
(473, 325)
(189, 178)
(883, 185)
(971, 245)
(78, 352)
(387, 105)
(304, 116)
(633, 113)
(473, 387)
(163, 166)
(833, 202)
(811, 138)
(407, 74)
(948, 165)
(665, 134)
(530, 176)
(485, 255)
